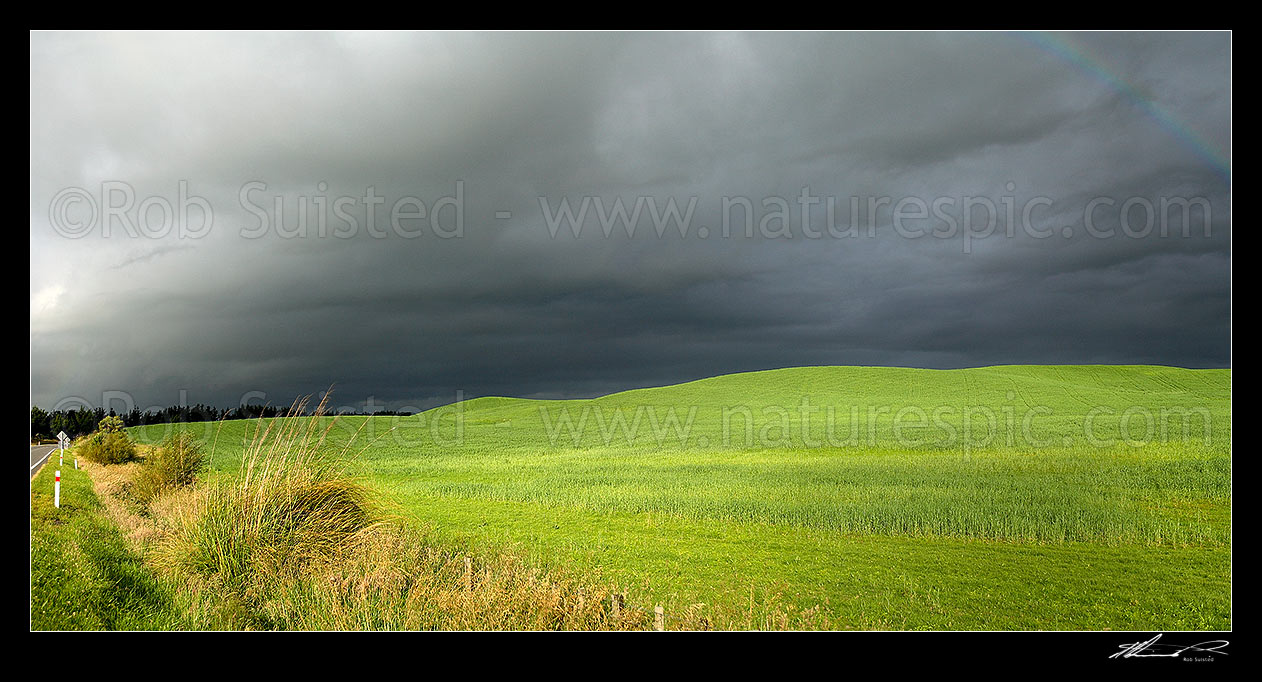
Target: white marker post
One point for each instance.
(62, 438)
(57, 491)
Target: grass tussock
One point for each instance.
(292, 503)
(175, 463)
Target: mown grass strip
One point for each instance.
(83, 575)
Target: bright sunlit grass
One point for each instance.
(613, 497)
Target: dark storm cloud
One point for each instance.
(514, 306)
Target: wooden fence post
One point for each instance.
(615, 603)
(659, 618)
(468, 574)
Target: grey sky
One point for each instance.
(516, 123)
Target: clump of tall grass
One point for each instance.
(292, 503)
(173, 464)
(107, 447)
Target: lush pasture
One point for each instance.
(1007, 497)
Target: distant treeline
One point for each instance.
(79, 422)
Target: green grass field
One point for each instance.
(1017, 497)
(83, 575)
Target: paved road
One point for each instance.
(39, 453)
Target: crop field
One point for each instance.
(1015, 497)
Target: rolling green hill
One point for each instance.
(1028, 497)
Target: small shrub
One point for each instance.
(110, 424)
(173, 464)
(112, 447)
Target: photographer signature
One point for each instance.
(1151, 649)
